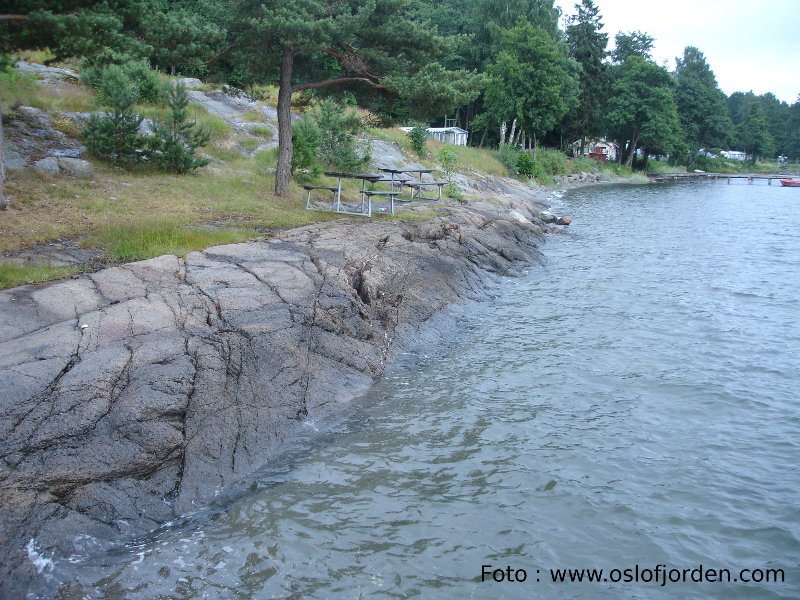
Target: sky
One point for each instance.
(750, 45)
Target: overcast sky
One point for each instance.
(750, 45)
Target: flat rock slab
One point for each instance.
(138, 393)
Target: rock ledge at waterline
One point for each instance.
(137, 393)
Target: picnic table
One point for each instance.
(416, 184)
(366, 195)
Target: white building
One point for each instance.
(734, 155)
(446, 135)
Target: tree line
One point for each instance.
(504, 70)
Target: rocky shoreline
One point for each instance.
(138, 393)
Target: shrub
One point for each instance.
(147, 81)
(553, 162)
(115, 136)
(449, 161)
(339, 130)
(305, 139)
(417, 138)
(175, 141)
(508, 155)
(525, 164)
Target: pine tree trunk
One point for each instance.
(283, 172)
(3, 199)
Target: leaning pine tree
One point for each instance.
(375, 43)
(175, 141)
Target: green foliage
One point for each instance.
(702, 107)
(342, 140)
(103, 73)
(534, 81)
(754, 134)
(306, 139)
(587, 45)
(509, 155)
(642, 108)
(115, 136)
(434, 90)
(417, 138)
(174, 142)
(553, 162)
(449, 161)
(634, 43)
(525, 164)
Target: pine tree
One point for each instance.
(587, 44)
(175, 142)
(115, 136)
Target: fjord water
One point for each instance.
(635, 401)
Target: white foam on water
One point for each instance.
(39, 561)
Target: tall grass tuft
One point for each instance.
(146, 239)
(14, 275)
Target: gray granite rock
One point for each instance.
(47, 166)
(76, 167)
(138, 393)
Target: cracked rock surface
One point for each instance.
(137, 393)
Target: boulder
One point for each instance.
(190, 83)
(547, 217)
(564, 220)
(76, 167)
(518, 217)
(48, 166)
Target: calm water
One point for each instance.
(635, 401)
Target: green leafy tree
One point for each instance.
(175, 142)
(634, 43)
(754, 134)
(534, 83)
(702, 106)
(115, 136)
(641, 108)
(587, 45)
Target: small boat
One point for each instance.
(790, 182)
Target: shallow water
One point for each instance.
(634, 402)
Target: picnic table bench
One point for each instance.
(366, 196)
(416, 184)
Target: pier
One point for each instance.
(750, 177)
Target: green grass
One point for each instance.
(14, 275)
(149, 238)
(20, 88)
(250, 143)
(253, 116)
(265, 132)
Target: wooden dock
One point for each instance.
(688, 177)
